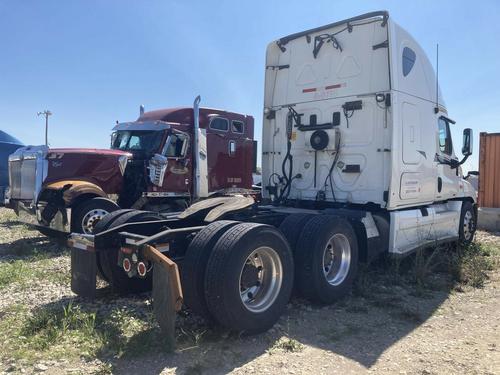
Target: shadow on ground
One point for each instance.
(387, 303)
(384, 307)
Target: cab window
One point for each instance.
(219, 123)
(445, 145)
(175, 146)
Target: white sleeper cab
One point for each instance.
(355, 108)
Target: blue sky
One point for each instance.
(94, 62)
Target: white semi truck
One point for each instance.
(357, 161)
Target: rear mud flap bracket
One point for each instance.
(83, 273)
(167, 292)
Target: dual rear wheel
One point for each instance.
(241, 275)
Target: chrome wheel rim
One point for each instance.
(91, 219)
(336, 259)
(260, 279)
(468, 225)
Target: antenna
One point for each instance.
(436, 110)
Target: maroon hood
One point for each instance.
(98, 166)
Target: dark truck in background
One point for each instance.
(161, 162)
(8, 144)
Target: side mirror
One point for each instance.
(467, 142)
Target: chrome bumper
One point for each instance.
(32, 215)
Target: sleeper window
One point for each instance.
(409, 58)
(237, 127)
(219, 123)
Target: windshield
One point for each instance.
(136, 140)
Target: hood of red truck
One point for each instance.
(100, 151)
(98, 166)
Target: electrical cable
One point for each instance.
(329, 176)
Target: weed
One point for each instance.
(470, 265)
(49, 326)
(105, 369)
(424, 263)
(286, 344)
(15, 271)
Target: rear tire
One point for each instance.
(468, 223)
(249, 278)
(87, 214)
(118, 279)
(292, 226)
(195, 263)
(101, 226)
(326, 259)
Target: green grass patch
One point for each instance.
(26, 271)
(14, 272)
(73, 331)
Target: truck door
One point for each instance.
(178, 177)
(447, 178)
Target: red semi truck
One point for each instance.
(151, 166)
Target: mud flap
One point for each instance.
(167, 292)
(83, 273)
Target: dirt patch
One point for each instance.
(416, 317)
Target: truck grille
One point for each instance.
(26, 172)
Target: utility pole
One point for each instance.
(46, 113)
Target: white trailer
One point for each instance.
(357, 161)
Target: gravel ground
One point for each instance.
(388, 325)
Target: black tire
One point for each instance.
(292, 226)
(82, 209)
(107, 220)
(195, 263)
(309, 259)
(224, 272)
(468, 223)
(101, 226)
(119, 280)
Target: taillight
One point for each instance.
(141, 269)
(127, 266)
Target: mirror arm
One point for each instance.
(457, 164)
